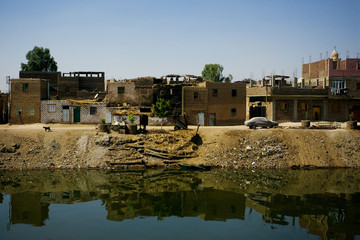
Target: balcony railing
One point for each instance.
(339, 91)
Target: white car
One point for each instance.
(260, 122)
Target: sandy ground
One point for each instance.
(83, 146)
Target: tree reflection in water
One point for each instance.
(325, 202)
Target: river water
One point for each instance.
(178, 204)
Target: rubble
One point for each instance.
(217, 147)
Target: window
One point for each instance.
(357, 85)
(92, 110)
(121, 90)
(338, 87)
(358, 65)
(25, 87)
(233, 92)
(338, 84)
(51, 107)
(233, 112)
(196, 95)
(67, 89)
(304, 106)
(215, 92)
(283, 106)
(336, 107)
(31, 111)
(18, 111)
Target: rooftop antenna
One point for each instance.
(347, 54)
(357, 55)
(327, 54)
(310, 58)
(320, 56)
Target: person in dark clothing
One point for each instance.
(144, 120)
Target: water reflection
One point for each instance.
(325, 202)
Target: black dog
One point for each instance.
(47, 129)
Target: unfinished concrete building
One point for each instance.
(53, 78)
(81, 85)
(329, 90)
(213, 104)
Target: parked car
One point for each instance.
(260, 122)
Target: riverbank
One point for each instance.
(82, 146)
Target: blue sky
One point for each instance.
(134, 38)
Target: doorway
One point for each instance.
(212, 119)
(200, 119)
(257, 111)
(65, 114)
(76, 114)
(316, 113)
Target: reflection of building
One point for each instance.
(208, 204)
(327, 215)
(27, 208)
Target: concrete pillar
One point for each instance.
(295, 109)
(347, 110)
(295, 81)
(273, 109)
(326, 110)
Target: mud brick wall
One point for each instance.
(28, 99)
(220, 104)
(133, 94)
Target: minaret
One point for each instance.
(335, 58)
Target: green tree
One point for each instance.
(39, 59)
(213, 73)
(162, 108)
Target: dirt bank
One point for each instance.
(82, 146)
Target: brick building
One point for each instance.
(136, 92)
(213, 104)
(25, 97)
(53, 78)
(329, 90)
(4, 101)
(144, 91)
(81, 85)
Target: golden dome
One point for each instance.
(334, 55)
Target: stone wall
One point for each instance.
(85, 116)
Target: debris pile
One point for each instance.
(267, 152)
(153, 149)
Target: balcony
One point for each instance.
(339, 91)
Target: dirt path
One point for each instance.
(82, 146)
